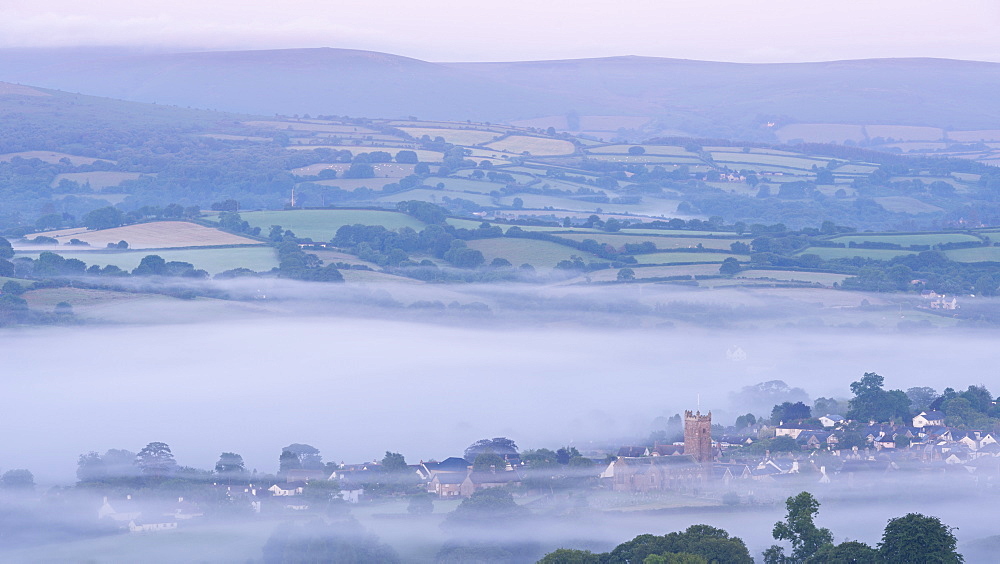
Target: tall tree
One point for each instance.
(155, 459)
(798, 528)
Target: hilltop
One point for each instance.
(647, 95)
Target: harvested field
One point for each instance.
(153, 235)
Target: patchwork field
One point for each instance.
(153, 235)
(97, 179)
(322, 225)
(520, 251)
(538, 146)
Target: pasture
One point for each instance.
(907, 239)
(677, 257)
(751, 159)
(821, 132)
(152, 235)
(386, 170)
(668, 150)
(212, 260)
(975, 254)
(322, 225)
(537, 146)
(830, 253)
(540, 254)
(51, 157)
(905, 204)
(905, 132)
(435, 196)
(824, 278)
(423, 156)
(97, 179)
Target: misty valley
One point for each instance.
(330, 305)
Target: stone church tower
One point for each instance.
(698, 436)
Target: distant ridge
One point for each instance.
(731, 100)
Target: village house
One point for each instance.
(478, 481)
(926, 418)
(831, 420)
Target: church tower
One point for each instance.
(698, 436)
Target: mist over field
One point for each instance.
(307, 368)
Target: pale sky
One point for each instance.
(504, 30)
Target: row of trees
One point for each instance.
(909, 539)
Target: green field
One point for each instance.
(531, 251)
(322, 225)
(905, 204)
(213, 261)
(975, 254)
(828, 253)
(668, 258)
(908, 239)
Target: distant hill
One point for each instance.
(693, 97)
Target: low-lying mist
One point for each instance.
(356, 371)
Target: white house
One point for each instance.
(926, 418)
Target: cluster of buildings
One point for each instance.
(925, 447)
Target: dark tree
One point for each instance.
(498, 445)
(230, 464)
(916, 538)
(18, 479)
(104, 218)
